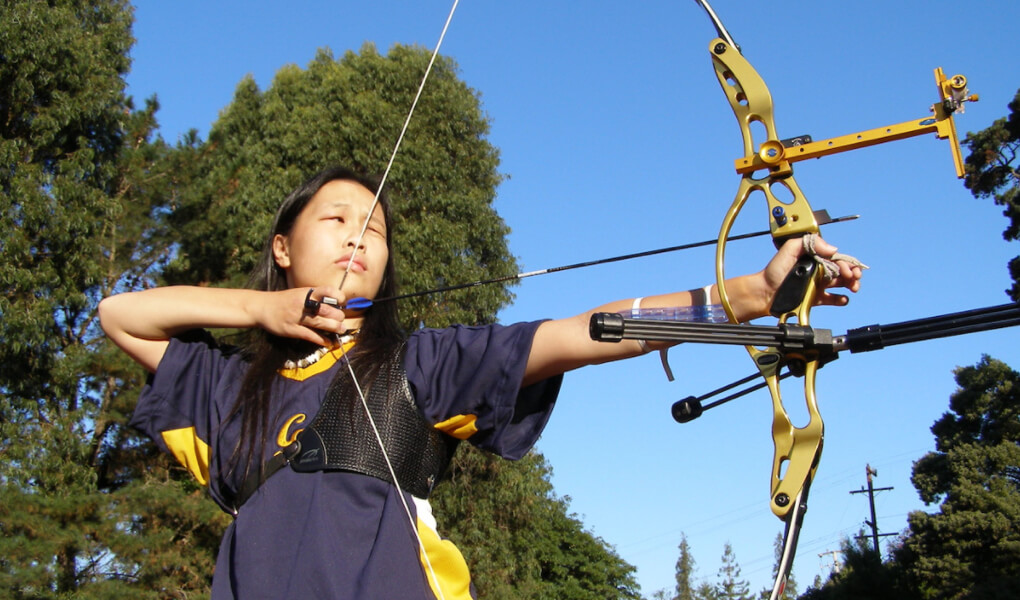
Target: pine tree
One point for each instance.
(970, 547)
(84, 190)
(731, 586)
(684, 571)
(993, 170)
(706, 591)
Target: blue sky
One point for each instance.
(617, 138)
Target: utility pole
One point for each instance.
(871, 499)
(833, 556)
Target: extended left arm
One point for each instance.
(564, 344)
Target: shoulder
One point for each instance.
(469, 355)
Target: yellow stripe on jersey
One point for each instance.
(190, 451)
(448, 565)
(320, 366)
(461, 427)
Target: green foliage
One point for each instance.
(731, 586)
(689, 589)
(861, 575)
(993, 169)
(518, 537)
(706, 591)
(970, 548)
(685, 567)
(350, 111)
(83, 189)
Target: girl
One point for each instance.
(343, 513)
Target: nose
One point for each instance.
(355, 242)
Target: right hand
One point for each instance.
(283, 313)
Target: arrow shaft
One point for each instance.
(363, 303)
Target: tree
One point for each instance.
(684, 571)
(970, 547)
(862, 575)
(706, 591)
(350, 111)
(992, 170)
(82, 184)
(731, 586)
(518, 536)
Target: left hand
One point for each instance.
(776, 271)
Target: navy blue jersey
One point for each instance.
(341, 535)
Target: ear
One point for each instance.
(281, 251)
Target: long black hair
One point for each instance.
(378, 337)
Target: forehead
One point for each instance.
(342, 193)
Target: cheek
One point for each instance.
(381, 269)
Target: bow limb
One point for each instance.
(797, 449)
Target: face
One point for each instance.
(321, 244)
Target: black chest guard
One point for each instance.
(341, 438)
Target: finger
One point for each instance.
(824, 248)
(324, 324)
(330, 298)
(849, 272)
(829, 299)
(852, 279)
(850, 284)
(793, 247)
(323, 301)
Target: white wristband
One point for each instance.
(635, 306)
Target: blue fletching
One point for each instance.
(358, 303)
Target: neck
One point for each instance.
(354, 322)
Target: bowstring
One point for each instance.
(357, 244)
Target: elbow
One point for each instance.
(107, 315)
(104, 314)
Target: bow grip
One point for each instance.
(790, 294)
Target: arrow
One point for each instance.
(364, 303)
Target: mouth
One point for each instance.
(352, 263)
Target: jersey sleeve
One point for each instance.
(177, 408)
(467, 382)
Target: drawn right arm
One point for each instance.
(142, 323)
